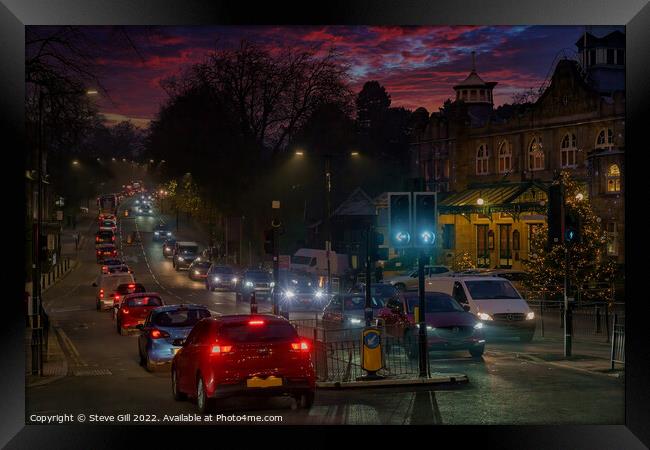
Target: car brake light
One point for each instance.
(131, 286)
(157, 334)
(256, 322)
(99, 252)
(113, 238)
(125, 311)
(96, 238)
(221, 348)
(301, 346)
(101, 293)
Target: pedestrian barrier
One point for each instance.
(337, 351)
(618, 342)
(55, 273)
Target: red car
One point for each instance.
(134, 308)
(258, 355)
(105, 251)
(449, 326)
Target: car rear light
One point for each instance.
(99, 252)
(157, 334)
(302, 346)
(101, 293)
(113, 238)
(96, 238)
(131, 286)
(256, 322)
(221, 349)
(125, 310)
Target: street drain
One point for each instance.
(91, 372)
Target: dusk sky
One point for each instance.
(417, 65)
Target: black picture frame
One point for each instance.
(634, 14)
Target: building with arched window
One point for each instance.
(577, 123)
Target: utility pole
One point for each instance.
(275, 225)
(328, 243)
(368, 306)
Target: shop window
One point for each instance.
(613, 178)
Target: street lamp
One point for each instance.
(75, 162)
(480, 201)
(354, 153)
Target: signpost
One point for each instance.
(371, 353)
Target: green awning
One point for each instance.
(505, 197)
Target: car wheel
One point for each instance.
(528, 337)
(205, 404)
(401, 287)
(148, 365)
(477, 352)
(178, 395)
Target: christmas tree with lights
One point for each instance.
(583, 262)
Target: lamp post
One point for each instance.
(328, 200)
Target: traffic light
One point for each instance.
(268, 241)
(555, 215)
(424, 219)
(399, 219)
(572, 227)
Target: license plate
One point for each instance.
(257, 382)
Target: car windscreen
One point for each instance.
(258, 276)
(108, 223)
(112, 262)
(266, 332)
(201, 265)
(144, 301)
(492, 290)
(169, 243)
(434, 303)
(358, 302)
(179, 318)
(189, 250)
(302, 260)
(383, 290)
(224, 270)
(130, 288)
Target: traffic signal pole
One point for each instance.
(368, 308)
(422, 335)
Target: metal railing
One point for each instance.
(55, 272)
(618, 342)
(337, 351)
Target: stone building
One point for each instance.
(492, 167)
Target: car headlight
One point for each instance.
(234, 280)
(196, 272)
(289, 294)
(319, 293)
(530, 316)
(157, 233)
(354, 320)
(169, 233)
(272, 284)
(179, 258)
(217, 279)
(478, 326)
(249, 284)
(484, 316)
(198, 259)
(429, 327)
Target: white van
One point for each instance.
(494, 300)
(314, 261)
(107, 283)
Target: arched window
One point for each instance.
(536, 154)
(605, 139)
(568, 151)
(482, 159)
(613, 178)
(505, 157)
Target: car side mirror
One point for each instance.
(94, 284)
(466, 306)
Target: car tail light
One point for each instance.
(96, 238)
(99, 252)
(131, 286)
(256, 322)
(113, 238)
(125, 310)
(219, 349)
(117, 296)
(114, 252)
(302, 346)
(157, 334)
(101, 293)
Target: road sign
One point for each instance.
(371, 352)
